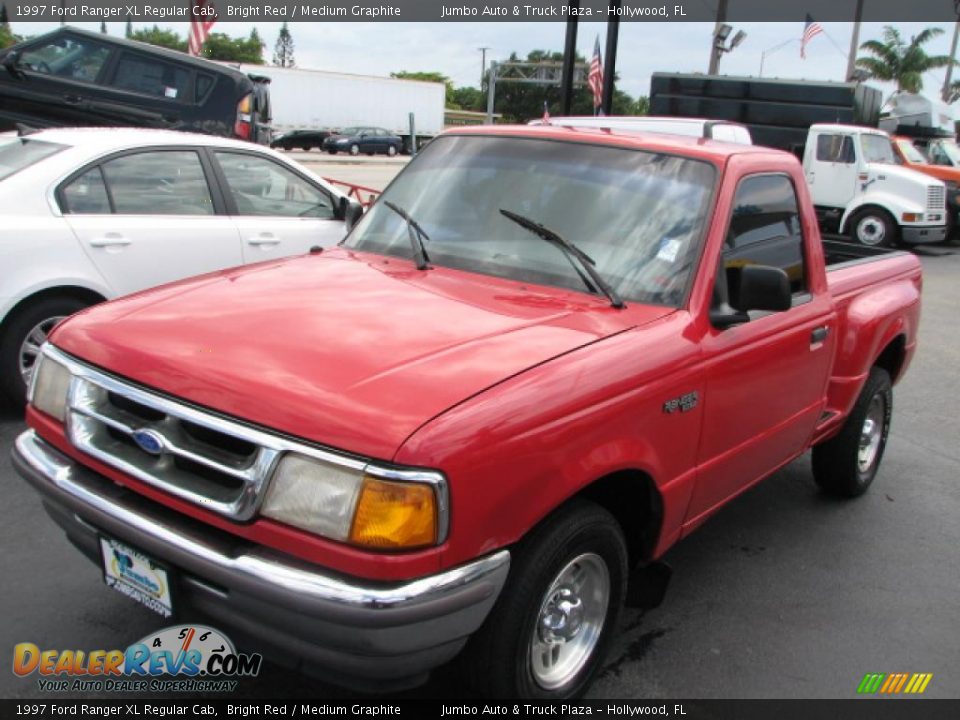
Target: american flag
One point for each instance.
(595, 76)
(200, 25)
(810, 30)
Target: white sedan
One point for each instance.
(90, 214)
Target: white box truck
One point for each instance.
(317, 100)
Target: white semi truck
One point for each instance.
(317, 101)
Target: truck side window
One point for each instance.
(765, 230)
(835, 148)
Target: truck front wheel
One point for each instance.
(846, 464)
(874, 227)
(551, 627)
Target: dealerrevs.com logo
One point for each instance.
(181, 658)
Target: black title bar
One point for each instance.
(474, 11)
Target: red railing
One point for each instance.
(355, 191)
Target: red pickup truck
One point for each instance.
(542, 357)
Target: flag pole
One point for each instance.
(855, 40)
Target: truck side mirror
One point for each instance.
(352, 214)
(763, 288)
(759, 287)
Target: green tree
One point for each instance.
(220, 46)
(160, 37)
(467, 98)
(7, 38)
(895, 60)
(283, 50)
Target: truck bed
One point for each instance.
(851, 268)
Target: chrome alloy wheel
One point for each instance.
(570, 621)
(30, 347)
(871, 230)
(871, 434)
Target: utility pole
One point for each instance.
(569, 59)
(715, 51)
(483, 63)
(855, 41)
(610, 60)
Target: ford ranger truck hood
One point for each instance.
(351, 351)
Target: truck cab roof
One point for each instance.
(699, 147)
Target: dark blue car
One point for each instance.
(369, 140)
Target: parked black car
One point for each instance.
(369, 140)
(300, 139)
(73, 77)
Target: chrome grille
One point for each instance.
(201, 457)
(936, 198)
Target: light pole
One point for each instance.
(483, 63)
(720, 45)
(772, 50)
(945, 93)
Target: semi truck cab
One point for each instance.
(859, 190)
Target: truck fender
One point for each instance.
(871, 323)
(891, 202)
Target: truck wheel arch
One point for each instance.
(634, 500)
(892, 357)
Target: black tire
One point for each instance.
(837, 464)
(498, 661)
(21, 324)
(354, 149)
(332, 151)
(874, 227)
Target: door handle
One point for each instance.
(819, 335)
(72, 99)
(109, 240)
(264, 239)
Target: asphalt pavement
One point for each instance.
(785, 593)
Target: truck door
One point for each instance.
(765, 379)
(830, 164)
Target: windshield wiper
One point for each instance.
(417, 236)
(571, 251)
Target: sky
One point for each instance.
(452, 48)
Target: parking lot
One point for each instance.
(784, 594)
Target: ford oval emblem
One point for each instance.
(149, 441)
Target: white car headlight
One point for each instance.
(354, 506)
(49, 386)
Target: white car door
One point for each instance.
(278, 211)
(147, 217)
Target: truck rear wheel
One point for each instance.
(846, 464)
(874, 227)
(551, 627)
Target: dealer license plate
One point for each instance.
(136, 575)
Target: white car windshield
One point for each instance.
(17, 153)
(639, 215)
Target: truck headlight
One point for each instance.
(352, 505)
(49, 386)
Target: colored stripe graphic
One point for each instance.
(894, 683)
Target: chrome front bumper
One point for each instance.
(346, 631)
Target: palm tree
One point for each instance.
(895, 60)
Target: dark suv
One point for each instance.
(74, 77)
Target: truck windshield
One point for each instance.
(911, 153)
(877, 149)
(17, 153)
(639, 215)
(950, 149)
